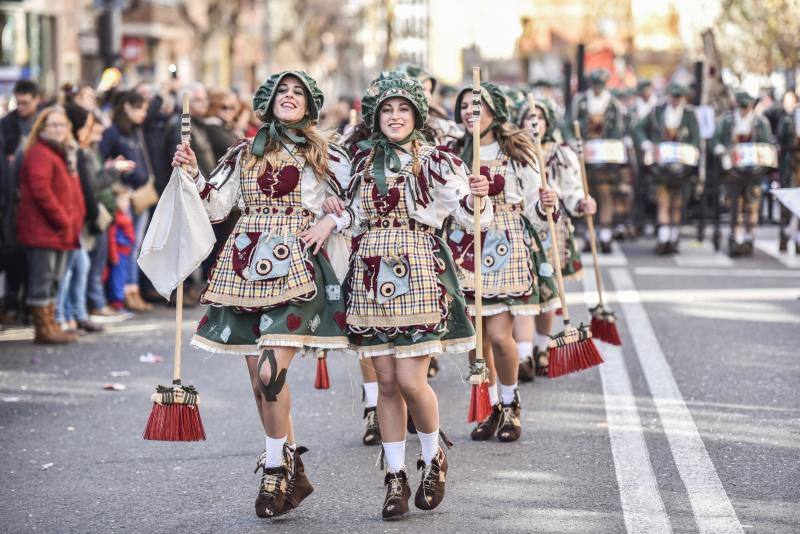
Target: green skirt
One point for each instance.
(308, 325)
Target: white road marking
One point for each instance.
(734, 273)
(770, 247)
(701, 254)
(712, 509)
(642, 507)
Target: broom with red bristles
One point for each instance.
(604, 322)
(572, 349)
(175, 415)
(479, 406)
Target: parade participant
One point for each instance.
(601, 117)
(643, 104)
(742, 125)
(403, 299)
(671, 122)
(517, 278)
(272, 291)
(564, 177)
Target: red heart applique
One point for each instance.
(496, 185)
(293, 322)
(202, 322)
(384, 204)
(256, 329)
(341, 319)
(280, 185)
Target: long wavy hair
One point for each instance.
(314, 150)
(38, 127)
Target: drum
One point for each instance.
(751, 160)
(605, 159)
(672, 164)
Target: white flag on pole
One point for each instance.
(179, 237)
(789, 197)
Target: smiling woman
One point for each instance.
(273, 290)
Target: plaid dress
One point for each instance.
(265, 288)
(403, 297)
(516, 274)
(563, 173)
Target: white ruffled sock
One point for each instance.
(507, 393)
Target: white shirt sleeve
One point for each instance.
(222, 191)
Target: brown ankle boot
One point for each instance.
(299, 485)
(397, 494)
(541, 360)
(47, 330)
(527, 371)
(510, 428)
(486, 428)
(431, 486)
(271, 499)
(372, 431)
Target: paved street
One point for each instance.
(693, 426)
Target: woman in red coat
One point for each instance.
(50, 216)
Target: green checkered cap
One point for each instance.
(265, 95)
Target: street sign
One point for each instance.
(706, 121)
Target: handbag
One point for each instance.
(145, 197)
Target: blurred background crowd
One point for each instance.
(90, 90)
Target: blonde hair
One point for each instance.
(314, 150)
(38, 126)
(516, 143)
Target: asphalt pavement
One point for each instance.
(692, 426)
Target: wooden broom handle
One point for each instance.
(537, 145)
(476, 209)
(589, 218)
(186, 130)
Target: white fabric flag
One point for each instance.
(179, 237)
(789, 197)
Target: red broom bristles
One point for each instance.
(321, 381)
(479, 406)
(605, 330)
(174, 422)
(571, 351)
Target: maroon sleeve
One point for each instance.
(39, 171)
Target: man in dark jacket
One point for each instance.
(17, 123)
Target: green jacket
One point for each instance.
(761, 132)
(613, 121)
(651, 128)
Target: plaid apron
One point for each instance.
(402, 293)
(511, 254)
(263, 263)
(264, 288)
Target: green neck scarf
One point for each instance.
(280, 132)
(386, 157)
(466, 152)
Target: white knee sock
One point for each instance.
(493, 396)
(541, 340)
(605, 234)
(663, 233)
(395, 455)
(524, 350)
(674, 233)
(507, 393)
(274, 451)
(429, 444)
(370, 394)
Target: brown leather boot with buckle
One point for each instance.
(486, 428)
(372, 431)
(431, 486)
(510, 428)
(397, 494)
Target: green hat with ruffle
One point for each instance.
(390, 85)
(550, 118)
(599, 76)
(494, 97)
(743, 98)
(415, 72)
(677, 89)
(517, 104)
(265, 95)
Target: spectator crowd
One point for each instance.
(80, 175)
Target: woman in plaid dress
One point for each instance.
(403, 299)
(517, 277)
(272, 291)
(564, 175)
